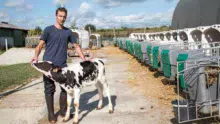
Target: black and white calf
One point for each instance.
(76, 76)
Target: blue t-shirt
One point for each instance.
(56, 41)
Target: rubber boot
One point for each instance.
(50, 107)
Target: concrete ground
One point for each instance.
(27, 105)
(18, 55)
(130, 106)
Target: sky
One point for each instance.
(102, 13)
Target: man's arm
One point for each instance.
(79, 51)
(38, 50)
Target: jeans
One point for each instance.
(50, 88)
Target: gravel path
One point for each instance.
(24, 106)
(138, 97)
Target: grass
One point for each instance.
(15, 75)
(2, 51)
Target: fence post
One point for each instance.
(6, 44)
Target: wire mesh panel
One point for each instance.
(173, 52)
(198, 86)
(195, 65)
(32, 41)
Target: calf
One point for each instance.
(74, 77)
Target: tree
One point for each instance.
(38, 30)
(92, 27)
(124, 28)
(102, 30)
(147, 28)
(73, 24)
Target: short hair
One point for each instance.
(62, 9)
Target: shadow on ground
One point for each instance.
(89, 107)
(22, 87)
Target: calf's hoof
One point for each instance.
(75, 123)
(98, 108)
(52, 122)
(110, 111)
(64, 121)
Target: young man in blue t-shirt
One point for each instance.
(56, 38)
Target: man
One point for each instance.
(56, 38)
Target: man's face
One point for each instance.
(61, 17)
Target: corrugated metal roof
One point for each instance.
(10, 26)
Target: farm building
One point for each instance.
(195, 13)
(15, 35)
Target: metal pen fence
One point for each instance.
(200, 79)
(32, 41)
(197, 69)
(106, 41)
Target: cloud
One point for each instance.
(61, 2)
(20, 5)
(85, 11)
(130, 18)
(4, 16)
(132, 21)
(83, 15)
(170, 0)
(31, 21)
(116, 3)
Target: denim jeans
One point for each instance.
(50, 88)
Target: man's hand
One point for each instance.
(34, 60)
(37, 51)
(90, 59)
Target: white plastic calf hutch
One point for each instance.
(95, 40)
(82, 37)
(132, 36)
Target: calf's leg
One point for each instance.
(107, 91)
(76, 105)
(99, 86)
(69, 101)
